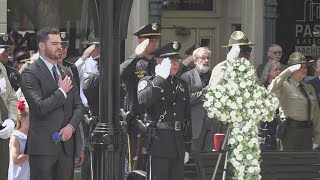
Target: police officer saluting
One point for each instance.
(166, 98)
(137, 66)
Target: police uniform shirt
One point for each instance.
(131, 71)
(9, 97)
(169, 95)
(85, 68)
(294, 103)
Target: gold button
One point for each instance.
(174, 114)
(163, 98)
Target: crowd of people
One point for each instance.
(46, 99)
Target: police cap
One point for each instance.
(92, 39)
(5, 40)
(298, 58)
(151, 31)
(22, 56)
(169, 50)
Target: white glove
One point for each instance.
(294, 68)
(7, 131)
(3, 85)
(2, 50)
(141, 47)
(234, 52)
(314, 146)
(186, 157)
(163, 69)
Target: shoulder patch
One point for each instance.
(142, 85)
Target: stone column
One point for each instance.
(252, 26)
(270, 16)
(138, 17)
(3, 15)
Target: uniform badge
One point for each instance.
(175, 45)
(5, 38)
(63, 35)
(154, 26)
(140, 74)
(142, 85)
(181, 88)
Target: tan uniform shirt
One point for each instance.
(217, 74)
(293, 102)
(9, 97)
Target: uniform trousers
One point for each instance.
(4, 158)
(166, 168)
(55, 167)
(297, 139)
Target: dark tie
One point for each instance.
(55, 74)
(305, 94)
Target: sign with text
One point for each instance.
(307, 28)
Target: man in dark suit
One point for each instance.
(55, 111)
(316, 81)
(198, 79)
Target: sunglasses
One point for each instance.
(245, 49)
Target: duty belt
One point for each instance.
(177, 125)
(298, 124)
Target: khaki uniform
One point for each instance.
(294, 106)
(10, 100)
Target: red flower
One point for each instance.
(21, 105)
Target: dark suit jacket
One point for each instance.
(50, 111)
(198, 112)
(316, 84)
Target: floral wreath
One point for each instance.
(243, 104)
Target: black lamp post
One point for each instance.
(107, 139)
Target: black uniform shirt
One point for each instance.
(169, 95)
(131, 71)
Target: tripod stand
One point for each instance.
(223, 148)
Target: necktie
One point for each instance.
(305, 94)
(55, 74)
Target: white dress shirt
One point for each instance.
(85, 68)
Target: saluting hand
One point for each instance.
(234, 52)
(86, 53)
(163, 69)
(294, 68)
(65, 84)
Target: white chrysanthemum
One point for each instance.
(251, 169)
(239, 138)
(236, 130)
(255, 162)
(240, 147)
(246, 94)
(233, 114)
(249, 156)
(217, 105)
(245, 129)
(232, 92)
(235, 124)
(218, 94)
(233, 105)
(250, 144)
(254, 140)
(223, 99)
(239, 157)
(229, 68)
(207, 104)
(232, 141)
(242, 68)
(243, 85)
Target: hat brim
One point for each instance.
(307, 63)
(171, 55)
(88, 42)
(240, 44)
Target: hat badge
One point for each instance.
(175, 45)
(154, 26)
(63, 35)
(5, 38)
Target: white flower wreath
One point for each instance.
(243, 104)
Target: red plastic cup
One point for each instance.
(218, 139)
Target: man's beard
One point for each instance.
(53, 55)
(202, 68)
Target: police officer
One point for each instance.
(298, 101)
(166, 98)
(137, 66)
(63, 61)
(8, 115)
(6, 42)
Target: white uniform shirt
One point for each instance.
(85, 68)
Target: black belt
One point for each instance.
(177, 125)
(298, 124)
